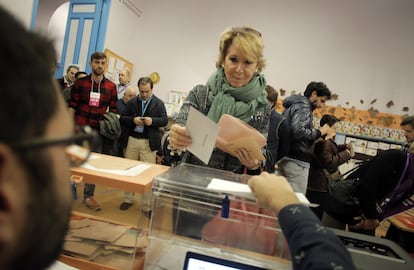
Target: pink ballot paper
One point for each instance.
(235, 134)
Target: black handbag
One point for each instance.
(343, 195)
(345, 191)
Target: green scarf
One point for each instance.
(241, 102)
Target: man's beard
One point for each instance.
(47, 219)
(98, 72)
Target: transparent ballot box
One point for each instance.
(211, 213)
(110, 239)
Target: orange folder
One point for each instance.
(235, 134)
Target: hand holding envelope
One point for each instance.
(229, 135)
(235, 134)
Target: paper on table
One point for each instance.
(128, 171)
(243, 189)
(203, 132)
(112, 164)
(57, 265)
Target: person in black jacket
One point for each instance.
(143, 116)
(277, 145)
(68, 80)
(386, 187)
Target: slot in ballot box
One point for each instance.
(211, 212)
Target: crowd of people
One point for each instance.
(305, 156)
(34, 163)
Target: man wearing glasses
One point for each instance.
(90, 99)
(36, 151)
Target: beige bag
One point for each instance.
(332, 176)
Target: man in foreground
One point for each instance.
(35, 197)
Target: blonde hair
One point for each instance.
(248, 40)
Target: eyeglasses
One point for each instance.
(78, 147)
(241, 30)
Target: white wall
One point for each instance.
(22, 9)
(362, 49)
(123, 36)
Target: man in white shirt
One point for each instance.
(124, 78)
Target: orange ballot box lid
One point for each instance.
(130, 175)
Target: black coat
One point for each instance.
(156, 110)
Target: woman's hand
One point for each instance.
(179, 137)
(244, 157)
(366, 224)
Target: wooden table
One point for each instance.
(400, 225)
(401, 233)
(139, 183)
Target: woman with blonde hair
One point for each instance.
(237, 88)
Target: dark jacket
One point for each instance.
(311, 245)
(156, 110)
(378, 178)
(277, 140)
(328, 155)
(298, 113)
(61, 82)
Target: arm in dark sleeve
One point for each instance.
(379, 179)
(197, 98)
(302, 125)
(127, 117)
(160, 119)
(312, 246)
(272, 143)
(284, 140)
(113, 102)
(74, 97)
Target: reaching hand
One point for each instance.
(366, 224)
(272, 191)
(350, 149)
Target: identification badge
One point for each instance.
(139, 129)
(94, 98)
